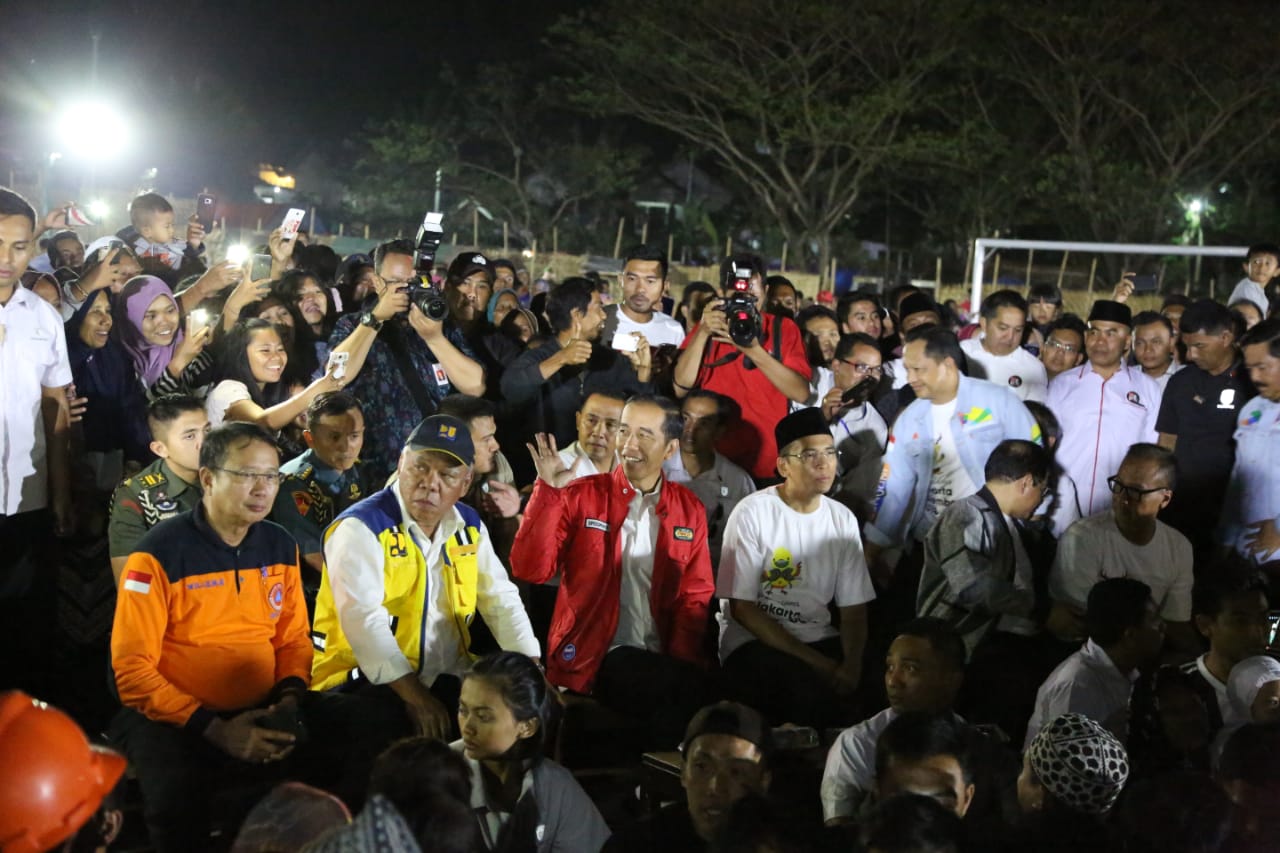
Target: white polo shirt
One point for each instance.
(575, 458)
(33, 356)
(661, 329)
(1100, 419)
(1019, 371)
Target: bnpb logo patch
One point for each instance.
(276, 597)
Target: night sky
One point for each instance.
(212, 88)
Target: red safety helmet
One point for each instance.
(52, 779)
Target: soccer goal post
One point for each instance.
(982, 244)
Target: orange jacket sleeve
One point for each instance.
(292, 640)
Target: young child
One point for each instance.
(1261, 266)
(152, 236)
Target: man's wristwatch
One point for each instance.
(367, 319)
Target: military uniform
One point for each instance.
(312, 495)
(144, 500)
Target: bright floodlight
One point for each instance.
(99, 209)
(93, 130)
(1196, 205)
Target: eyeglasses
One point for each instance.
(1067, 348)
(1133, 493)
(809, 457)
(864, 369)
(266, 478)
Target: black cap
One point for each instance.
(800, 424)
(443, 434)
(465, 264)
(729, 718)
(1110, 311)
(916, 303)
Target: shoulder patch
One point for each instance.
(684, 534)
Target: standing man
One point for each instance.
(997, 354)
(319, 484)
(644, 282)
(717, 482)
(1198, 413)
(1104, 406)
(856, 425)
(790, 554)
(1251, 515)
(406, 570)
(1063, 346)
(1154, 343)
(636, 584)
(405, 362)
(763, 374)
(35, 474)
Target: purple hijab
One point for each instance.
(149, 359)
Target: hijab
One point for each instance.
(149, 359)
(493, 302)
(115, 416)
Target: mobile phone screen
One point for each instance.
(204, 210)
(261, 268)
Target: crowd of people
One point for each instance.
(886, 579)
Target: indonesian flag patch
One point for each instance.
(137, 582)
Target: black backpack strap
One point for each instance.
(393, 336)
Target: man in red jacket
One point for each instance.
(636, 578)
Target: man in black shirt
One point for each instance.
(1198, 415)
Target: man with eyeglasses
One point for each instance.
(1063, 346)
(1104, 406)
(407, 570)
(859, 430)
(1128, 540)
(210, 648)
(790, 553)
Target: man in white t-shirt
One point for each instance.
(644, 281)
(789, 553)
(1128, 540)
(593, 451)
(997, 354)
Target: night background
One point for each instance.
(887, 135)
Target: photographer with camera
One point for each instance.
(413, 356)
(758, 360)
(859, 431)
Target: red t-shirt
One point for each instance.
(750, 442)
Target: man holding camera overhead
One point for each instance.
(404, 361)
(757, 359)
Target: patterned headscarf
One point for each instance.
(1080, 763)
(1244, 682)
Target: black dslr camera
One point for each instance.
(740, 307)
(422, 293)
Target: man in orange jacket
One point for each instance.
(636, 582)
(211, 649)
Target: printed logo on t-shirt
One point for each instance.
(1015, 381)
(1252, 418)
(1227, 399)
(782, 573)
(1133, 397)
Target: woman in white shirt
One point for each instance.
(522, 801)
(252, 390)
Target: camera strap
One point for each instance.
(393, 335)
(775, 343)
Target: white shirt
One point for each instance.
(1219, 688)
(850, 774)
(899, 370)
(33, 356)
(660, 330)
(823, 381)
(578, 462)
(224, 395)
(860, 435)
(1162, 381)
(950, 481)
(793, 565)
(1019, 371)
(1094, 549)
(1249, 289)
(720, 488)
(1062, 507)
(355, 570)
(639, 542)
(1088, 683)
(1100, 419)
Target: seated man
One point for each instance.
(717, 482)
(210, 649)
(636, 584)
(594, 450)
(857, 427)
(726, 754)
(790, 553)
(406, 570)
(320, 484)
(1125, 631)
(167, 487)
(923, 673)
(977, 574)
(927, 754)
(1127, 540)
